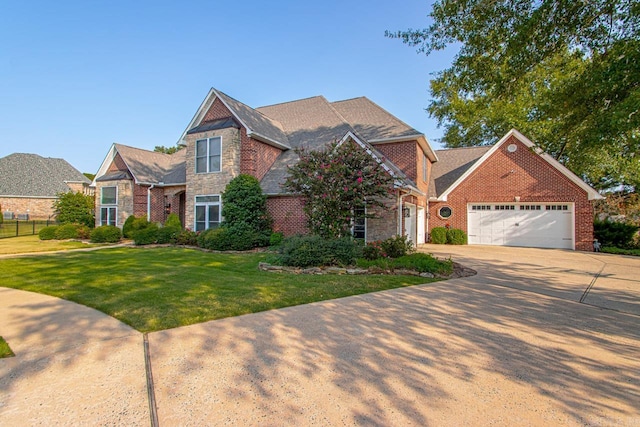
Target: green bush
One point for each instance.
(238, 238)
(173, 220)
(84, 232)
(147, 235)
(187, 238)
(397, 246)
(315, 251)
(244, 202)
(133, 224)
(373, 250)
(439, 235)
(48, 233)
(455, 236)
(67, 231)
(618, 234)
(75, 208)
(127, 227)
(276, 239)
(620, 251)
(106, 234)
(168, 233)
(420, 262)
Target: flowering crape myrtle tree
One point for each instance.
(336, 182)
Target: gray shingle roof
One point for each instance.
(372, 121)
(152, 167)
(31, 175)
(256, 121)
(452, 165)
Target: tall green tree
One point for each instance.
(76, 208)
(336, 182)
(564, 72)
(167, 150)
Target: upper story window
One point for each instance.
(108, 205)
(208, 154)
(108, 195)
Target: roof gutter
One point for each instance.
(266, 140)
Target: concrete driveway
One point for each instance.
(513, 345)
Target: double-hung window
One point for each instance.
(108, 205)
(359, 225)
(208, 155)
(207, 212)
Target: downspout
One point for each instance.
(151, 187)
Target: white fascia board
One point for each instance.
(422, 141)
(197, 117)
(350, 135)
(104, 166)
(591, 193)
(266, 140)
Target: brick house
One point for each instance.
(226, 138)
(30, 184)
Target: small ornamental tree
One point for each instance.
(336, 182)
(76, 208)
(243, 202)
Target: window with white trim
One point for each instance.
(108, 205)
(359, 223)
(207, 210)
(209, 155)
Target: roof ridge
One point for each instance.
(351, 99)
(292, 101)
(461, 148)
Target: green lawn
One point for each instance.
(28, 244)
(160, 288)
(5, 350)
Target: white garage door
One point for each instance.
(532, 225)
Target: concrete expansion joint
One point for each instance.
(153, 408)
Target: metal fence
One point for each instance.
(15, 228)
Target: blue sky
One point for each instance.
(77, 76)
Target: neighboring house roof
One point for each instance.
(31, 175)
(471, 167)
(452, 165)
(146, 167)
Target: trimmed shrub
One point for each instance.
(187, 238)
(173, 220)
(373, 250)
(439, 235)
(315, 251)
(276, 239)
(168, 234)
(397, 246)
(455, 236)
(618, 234)
(147, 235)
(84, 232)
(48, 233)
(127, 227)
(133, 224)
(67, 231)
(238, 238)
(106, 234)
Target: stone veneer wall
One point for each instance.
(124, 199)
(214, 183)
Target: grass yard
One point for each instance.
(29, 244)
(5, 350)
(160, 288)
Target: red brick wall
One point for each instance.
(256, 157)
(117, 164)
(525, 174)
(140, 200)
(403, 155)
(288, 215)
(217, 111)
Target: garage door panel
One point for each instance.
(537, 226)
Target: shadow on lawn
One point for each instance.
(452, 352)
